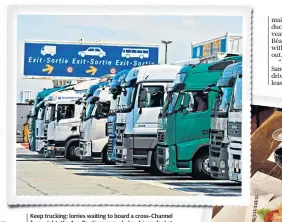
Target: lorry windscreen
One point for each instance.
(221, 104)
(169, 104)
(50, 113)
(40, 114)
(180, 77)
(90, 108)
(102, 109)
(127, 98)
(237, 100)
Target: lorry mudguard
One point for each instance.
(69, 141)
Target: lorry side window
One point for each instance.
(103, 108)
(200, 101)
(155, 96)
(187, 102)
(67, 111)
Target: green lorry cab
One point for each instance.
(184, 120)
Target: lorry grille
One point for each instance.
(235, 129)
(120, 128)
(216, 137)
(110, 146)
(161, 136)
(45, 136)
(140, 151)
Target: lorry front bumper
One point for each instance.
(124, 151)
(235, 161)
(167, 160)
(40, 143)
(86, 150)
(218, 155)
(52, 149)
(124, 154)
(142, 153)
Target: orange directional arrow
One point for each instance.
(91, 70)
(49, 69)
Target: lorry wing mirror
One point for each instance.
(59, 114)
(94, 99)
(87, 96)
(78, 102)
(124, 91)
(178, 87)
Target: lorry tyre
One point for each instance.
(105, 157)
(71, 152)
(201, 168)
(154, 169)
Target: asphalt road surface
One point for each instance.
(56, 176)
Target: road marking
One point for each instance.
(181, 183)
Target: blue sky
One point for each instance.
(181, 30)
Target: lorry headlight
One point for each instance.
(124, 151)
(166, 155)
(222, 164)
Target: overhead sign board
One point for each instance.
(84, 60)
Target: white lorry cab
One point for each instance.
(234, 132)
(40, 122)
(62, 119)
(137, 117)
(93, 139)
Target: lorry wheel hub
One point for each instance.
(78, 152)
(206, 166)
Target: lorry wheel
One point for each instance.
(71, 152)
(154, 169)
(201, 168)
(105, 157)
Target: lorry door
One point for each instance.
(98, 125)
(66, 126)
(192, 123)
(50, 115)
(146, 124)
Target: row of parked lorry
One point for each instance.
(164, 119)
